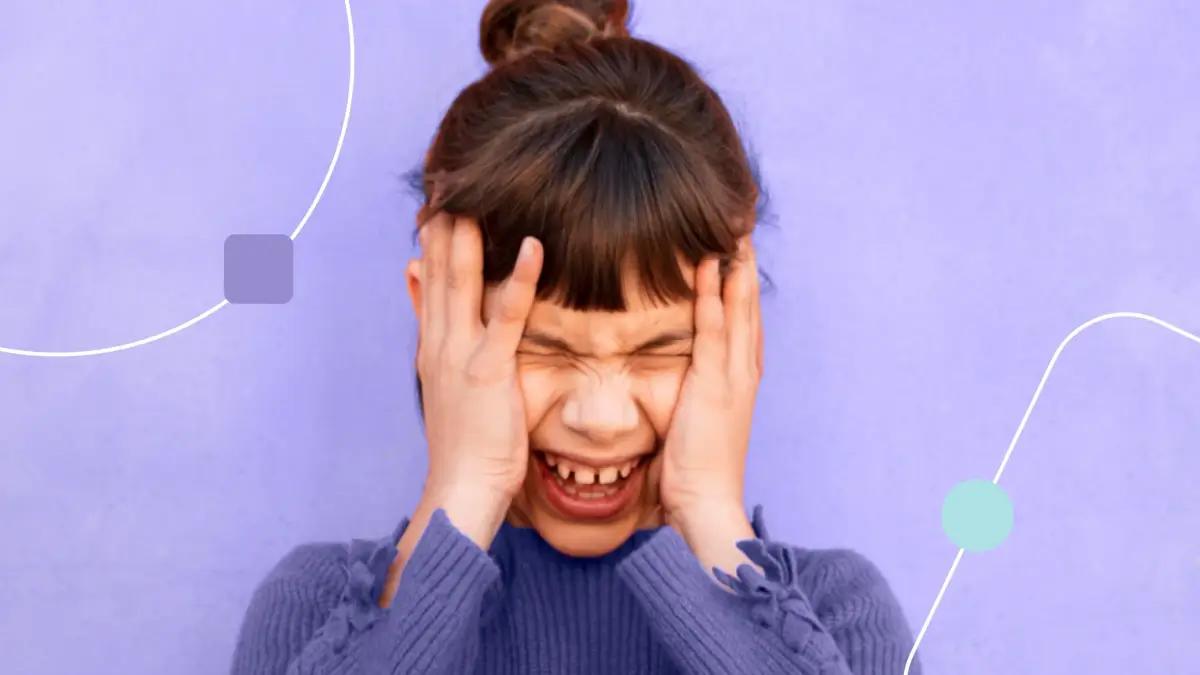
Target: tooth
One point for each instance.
(608, 475)
(626, 469)
(564, 471)
(551, 460)
(584, 476)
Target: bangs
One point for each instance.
(616, 200)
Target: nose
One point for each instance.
(601, 407)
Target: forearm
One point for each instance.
(431, 627)
(708, 628)
(756, 617)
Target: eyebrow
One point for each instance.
(667, 339)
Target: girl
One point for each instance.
(590, 348)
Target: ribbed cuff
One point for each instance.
(684, 604)
(446, 561)
(708, 628)
(437, 608)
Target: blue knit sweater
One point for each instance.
(525, 609)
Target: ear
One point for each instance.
(412, 276)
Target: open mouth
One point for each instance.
(590, 482)
(590, 492)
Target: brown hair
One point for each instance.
(611, 150)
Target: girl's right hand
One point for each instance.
(474, 414)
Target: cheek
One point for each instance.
(540, 389)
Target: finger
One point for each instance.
(464, 281)
(735, 296)
(517, 296)
(742, 313)
(435, 245)
(709, 344)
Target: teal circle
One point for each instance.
(977, 515)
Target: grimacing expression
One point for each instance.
(600, 389)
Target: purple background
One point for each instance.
(957, 187)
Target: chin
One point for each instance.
(584, 540)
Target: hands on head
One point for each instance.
(474, 414)
(704, 456)
(703, 462)
(475, 420)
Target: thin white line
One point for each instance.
(929, 618)
(337, 152)
(1017, 437)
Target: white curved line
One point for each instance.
(337, 153)
(1017, 436)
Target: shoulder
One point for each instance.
(320, 575)
(832, 579)
(316, 589)
(310, 571)
(324, 573)
(851, 598)
(832, 575)
(303, 587)
(289, 606)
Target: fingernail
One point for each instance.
(526, 249)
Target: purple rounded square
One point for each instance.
(258, 269)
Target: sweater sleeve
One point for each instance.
(294, 626)
(798, 613)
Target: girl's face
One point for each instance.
(600, 389)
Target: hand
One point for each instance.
(474, 414)
(704, 455)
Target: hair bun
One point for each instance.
(510, 29)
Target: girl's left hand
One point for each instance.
(703, 462)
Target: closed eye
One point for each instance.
(660, 361)
(545, 357)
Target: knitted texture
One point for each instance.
(524, 608)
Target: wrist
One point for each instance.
(712, 530)
(707, 519)
(477, 510)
